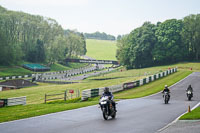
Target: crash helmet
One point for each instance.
(165, 86)
(106, 89)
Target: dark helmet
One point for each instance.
(106, 89)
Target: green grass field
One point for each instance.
(101, 49)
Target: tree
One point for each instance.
(119, 37)
(99, 36)
(191, 36)
(169, 47)
(135, 50)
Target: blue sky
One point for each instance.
(111, 16)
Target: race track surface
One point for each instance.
(142, 115)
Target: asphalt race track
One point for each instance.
(142, 115)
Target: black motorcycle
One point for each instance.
(107, 107)
(189, 95)
(166, 97)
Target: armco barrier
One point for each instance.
(129, 85)
(94, 92)
(86, 94)
(16, 101)
(47, 73)
(116, 88)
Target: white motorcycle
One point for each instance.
(189, 95)
(107, 107)
(166, 97)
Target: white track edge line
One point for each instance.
(165, 127)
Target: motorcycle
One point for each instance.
(107, 107)
(166, 97)
(189, 95)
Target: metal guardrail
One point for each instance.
(16, 101)
(116, 88)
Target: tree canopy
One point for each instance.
(168, 42)
(99, 36)
(35, 38)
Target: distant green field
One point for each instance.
(101, 49)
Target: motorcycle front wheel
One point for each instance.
(105, 115)
(113, 115)
(189, 98)
(166, 100)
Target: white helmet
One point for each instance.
(165, 85)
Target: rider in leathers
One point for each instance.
(166, 89)
(190, 89)
(110, 95)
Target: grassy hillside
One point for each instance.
(13, 71)
(101, 49)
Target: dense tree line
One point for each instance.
(99, 36)
(163, 43)
(35, 39)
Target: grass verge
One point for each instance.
(193, 115)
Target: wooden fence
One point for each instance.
(68, 94)
(56, 98)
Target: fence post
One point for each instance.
(65, 95)
(45, 98)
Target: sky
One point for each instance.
(115, 17)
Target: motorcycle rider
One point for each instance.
(166, 89)
(110, 95)
(190, 89)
